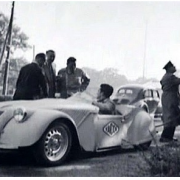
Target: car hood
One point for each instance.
(75, 102)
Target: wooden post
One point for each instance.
(5, 82)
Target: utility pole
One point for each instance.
(33, 52)
(144, 58)
(9, 33)
(4, 47)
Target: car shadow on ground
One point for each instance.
(82, 155)
(20, 158)
(16, 159)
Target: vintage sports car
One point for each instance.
(141, 96)
(52, 128)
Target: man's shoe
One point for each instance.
(168, 140)
(175, 139)
(165, 140)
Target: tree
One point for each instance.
(112, 77)
(19, 42)
(14, 68)
(19, 38)
(108, 75)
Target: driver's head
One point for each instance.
(105, 91)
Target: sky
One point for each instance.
(134, 37)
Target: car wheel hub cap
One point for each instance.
(56, 143)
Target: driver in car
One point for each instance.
(103, 102)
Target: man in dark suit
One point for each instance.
(50, 73)
(31, 81)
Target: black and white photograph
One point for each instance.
(90, 88)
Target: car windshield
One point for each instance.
(127, 93)
(83, 97)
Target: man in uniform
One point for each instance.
(170, 102)
(71, 79)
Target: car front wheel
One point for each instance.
(54, 146)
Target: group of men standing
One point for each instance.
(39, 80)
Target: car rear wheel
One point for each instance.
(143, 146)
(54, 146)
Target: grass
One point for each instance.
(162, 161)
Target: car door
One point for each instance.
(110, 131)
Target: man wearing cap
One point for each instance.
(50, 73)
(170, 102)
(31, 80)
(71, 79)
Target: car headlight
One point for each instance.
(19, 114)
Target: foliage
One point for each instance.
(19, 42)
(14, 68)
(19, 38)
(163, 161)
(110, 76)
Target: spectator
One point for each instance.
(71, 79)
(31, 80)
(50, 73)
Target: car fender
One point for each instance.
(30, 131)
(142, 104)
(142, 128)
